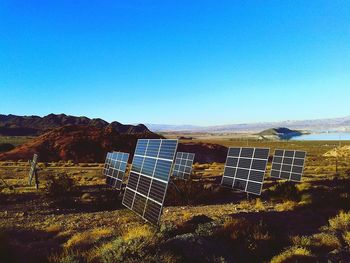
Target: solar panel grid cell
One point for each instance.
(245, 169)
(288, 164)
(149, 177)
(183, 165)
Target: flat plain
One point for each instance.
(75, 217)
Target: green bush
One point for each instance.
(60, 188)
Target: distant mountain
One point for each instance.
(281, 133)
(13, 125)
(336, 124)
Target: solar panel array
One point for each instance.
(245, 169)
(32, 169)
(149, 177)
(183, 165)
(288, 164)
(115, 173)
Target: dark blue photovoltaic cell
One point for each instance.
(148, 166)
(141, 147)
(152, 211)
(232, 161)
(247, 152)
(137, 164)
(163, 169)
(167, 150)
(234, 152)
(153, 148)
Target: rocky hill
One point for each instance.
(280, 133)
(82, 143)
(13, 125)
(79, 143)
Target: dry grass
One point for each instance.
(87, 238)
(286, 206)
(293, 254)
(326, 240)
(143, 231)
(259, 205)
(54, 228)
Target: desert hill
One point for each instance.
(81, 143)
(78, 143)
(13, 125)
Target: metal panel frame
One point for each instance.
(140, 174)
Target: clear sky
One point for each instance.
(176, 61)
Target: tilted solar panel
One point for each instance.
(116, 169)
(245, 169)
(288, 164)
(107, 162)
(183, 165)
(149, 177)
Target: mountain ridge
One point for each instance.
(337, 124)
(15, 125)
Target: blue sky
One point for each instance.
(176, 62)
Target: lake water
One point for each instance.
(332, 136)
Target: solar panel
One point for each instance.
(288, 164)
(245, 169)
(107, 163)
(183, 165)
(32, 169)
(149, 177)
(118, 162)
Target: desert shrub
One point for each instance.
(120, 250)
(341, 222)
(301, 241)
(326, 240)
(60, 188)
(251, 241)
(346, 237)
(67, 256)
(284, 191)
(294, 254)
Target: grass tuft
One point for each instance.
(294, 254)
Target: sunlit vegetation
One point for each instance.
(74, 217)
